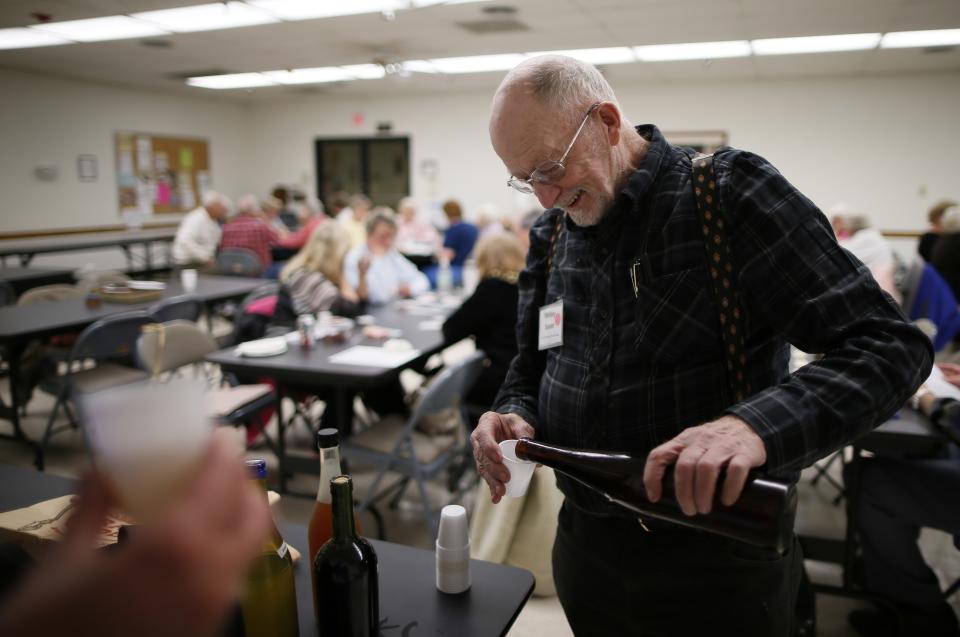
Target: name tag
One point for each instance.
(551, 325)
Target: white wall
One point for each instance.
(885, 145)
(45, 120)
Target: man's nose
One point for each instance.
(547, 194)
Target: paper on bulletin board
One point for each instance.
(162, 162)
(125, 163)
(163, 193)
(187, 199)
(144, 154)
(186, 158)
(203, 182)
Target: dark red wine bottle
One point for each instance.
(762, 516)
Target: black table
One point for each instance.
(908, 433)
(410, 604)
(126, 240)
(303, 369)
(20, 324)
(23, 279)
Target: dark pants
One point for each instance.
(897, 497)
(614, 578)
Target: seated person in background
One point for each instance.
(415, 235)
(354, 219)
(314, 279)
(523, 226)
(929, 238)
(490, 314)
(458, 242)
(249, 229)
(897, 497)
(271, 208)
(287, 214)
(946, 253)
(867, 244)
(195, 243)
(177, 575)
(310, 215)
(391, 275)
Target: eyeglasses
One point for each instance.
(551, 171)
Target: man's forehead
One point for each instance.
(522, 134)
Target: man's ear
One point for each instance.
(609, 116)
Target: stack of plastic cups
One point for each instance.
(453, 550)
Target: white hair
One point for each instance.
(951, 219)
(212, 197)
(561, 81)
(248, 203)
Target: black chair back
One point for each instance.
(112, 339)
(239, 262)
(186, 307)
(8, 296)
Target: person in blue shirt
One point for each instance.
(458, 242)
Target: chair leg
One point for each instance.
(40, 458)
(401, 489)
(427, 510)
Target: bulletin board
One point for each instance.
(157, 174)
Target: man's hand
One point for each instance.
(700, 454)
(490, 431)
(404, 291)
(951, 373)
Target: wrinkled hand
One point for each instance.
(404, 291)
(699, 455)
(491, 430)
(951, 373)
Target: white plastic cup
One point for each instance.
(520, 470)
(453, 550)
(147, 439)
(188, 279)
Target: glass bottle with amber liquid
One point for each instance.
(345, 574)
(763, 515)
(321, 522)
(269, 600)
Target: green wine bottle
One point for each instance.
(345, 573)
(269, 600)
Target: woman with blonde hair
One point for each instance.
(490, 314)
(314, 279)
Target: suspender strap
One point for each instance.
(723, 276)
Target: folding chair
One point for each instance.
(179, 343)
(186, 307)
(110, 343)
(397, 446)
(8, 296)
(239, 262)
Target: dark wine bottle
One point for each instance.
(345, 573)
(762, 516)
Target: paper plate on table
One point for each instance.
(146, 285)
(262, 347)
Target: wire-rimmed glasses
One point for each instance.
(550, 171)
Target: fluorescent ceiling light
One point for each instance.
(311, 9)
(904, 39)
(478, 63)
(23, 38)
(317, 75)
(418, 66)
(207, 17)
(117, 27)
(692, 51)
(365, 71)
(234, 80)
(610, 55)
(816, 44)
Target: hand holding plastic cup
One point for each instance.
(188, 279)
(147, 439)
(520, 470)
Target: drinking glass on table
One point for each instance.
(147, 439)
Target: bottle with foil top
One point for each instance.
(762, 516)
(305, 328)
(269, 600)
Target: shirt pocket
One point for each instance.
(677, 321)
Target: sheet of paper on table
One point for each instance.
(939, 386)
(367, 356)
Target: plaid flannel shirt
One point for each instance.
(637, 366)
(252, 233)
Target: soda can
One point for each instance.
(305, 324)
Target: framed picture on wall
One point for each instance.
(704, 141)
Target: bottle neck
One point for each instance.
(342, 494)
(329, 469)
(274, 540)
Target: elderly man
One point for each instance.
(639, 363)
(199, 233)
(391, 275)
(249, 229)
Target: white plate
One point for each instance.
(263, 347)
(146, 285)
